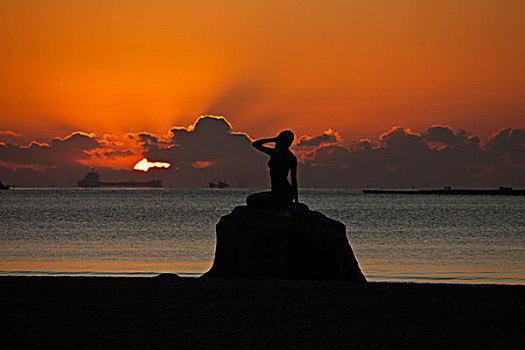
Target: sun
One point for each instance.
(144, 165)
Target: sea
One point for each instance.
(145, 232)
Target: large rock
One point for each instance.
(259, 243)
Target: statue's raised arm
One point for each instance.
(259, 144)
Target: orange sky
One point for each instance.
(358, 67)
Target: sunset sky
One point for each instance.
(348, 70)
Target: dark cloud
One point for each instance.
(365, 144)
(8, 136)
(331, 156)
(146, 140)
(328, 137)
(143, 137)
(400, 138)
(56, 163)
(510, 141)
(211, 149)
(57, 151)
(404, 159)
(440, 133)
(111, 154)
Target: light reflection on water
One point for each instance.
(118, 232)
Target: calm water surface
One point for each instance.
(119, 232)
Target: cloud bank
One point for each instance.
(211, 149)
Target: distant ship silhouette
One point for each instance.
(447, 190)
(220, 184)
(92, 179)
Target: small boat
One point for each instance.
(220, 184)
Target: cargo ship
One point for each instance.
(502, 191)
(92, 179)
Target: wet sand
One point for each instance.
(175, 313)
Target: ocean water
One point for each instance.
(143, 232)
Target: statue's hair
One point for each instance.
(286, 134)
(285, 138)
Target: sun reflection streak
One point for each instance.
(144, 165)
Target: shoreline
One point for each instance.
(372, 274)
(196, 276)
(173, 312)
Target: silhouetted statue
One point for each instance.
(264, 240)
(282, 162)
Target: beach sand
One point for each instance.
(175, 313)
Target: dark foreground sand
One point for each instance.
(107, 313)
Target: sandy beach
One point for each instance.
(98, 312)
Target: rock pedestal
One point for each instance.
(258, 243)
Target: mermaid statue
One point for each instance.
(282, 162)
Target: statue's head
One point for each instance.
(284, 139)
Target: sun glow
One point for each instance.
(144, 165)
